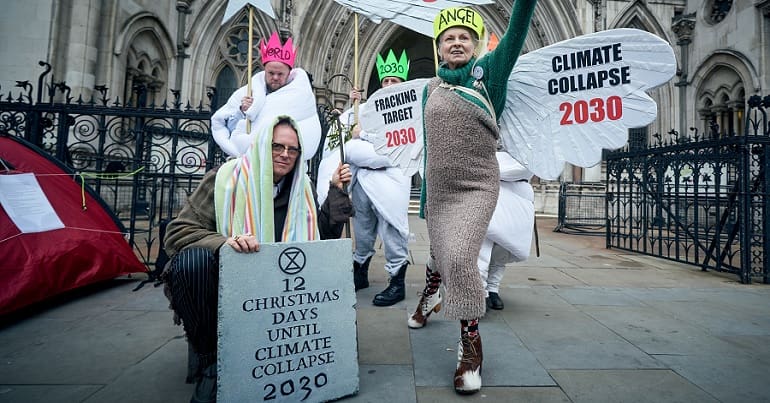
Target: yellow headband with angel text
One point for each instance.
(458, 17)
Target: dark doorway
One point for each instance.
(419, 51)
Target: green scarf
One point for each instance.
(462, 77)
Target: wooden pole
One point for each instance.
(355, 67)
(250, 56)
(435, 56)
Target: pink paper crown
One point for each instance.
(273, 51)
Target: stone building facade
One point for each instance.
(722, 49)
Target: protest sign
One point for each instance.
(287, 323)
(392, 121)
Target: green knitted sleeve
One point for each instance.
(423, 193)
(499, 63)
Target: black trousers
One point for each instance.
(194, 285)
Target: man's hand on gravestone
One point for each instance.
(245, 243)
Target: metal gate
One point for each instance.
(698, 199)
(143, 160)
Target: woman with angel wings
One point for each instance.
(565, 102)
(461, 110)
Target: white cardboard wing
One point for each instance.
(234, 6)
(570, 100)
(392, 121)
(416, 15)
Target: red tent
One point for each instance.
(91, 247)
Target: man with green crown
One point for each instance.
(380, 194)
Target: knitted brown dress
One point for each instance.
(462, 179)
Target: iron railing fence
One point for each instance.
(701, 200)
(581, 208)
(142, 160)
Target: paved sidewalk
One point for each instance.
(581, 324)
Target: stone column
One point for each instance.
(183, 9)
(683, 26)
(722, 119)
(764, 8)
(284, 17)
(600, 14)
(736, 106)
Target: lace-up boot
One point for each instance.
(396, 290)
(469, 358)
(428, 304)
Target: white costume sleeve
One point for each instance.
(258, 95)
(510, 169)
(361, 153)
(225, 120)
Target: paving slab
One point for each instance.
(615, 277)
(95, 351)
(383, 337)
(159, 378)
(602, 296)
(493, 394)
(43, 393)
(718, 318)
(529, 299)
(556, 261)
(91, 300)
(526, 276)
(637, 386)
(756, 345)
(728, 378)
(506, 361)
(574, 340)
(658, 333)
(147, 298)
(384, 383)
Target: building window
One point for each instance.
(718, 9)
(226, 85)
(637, 139)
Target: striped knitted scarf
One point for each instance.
(243, 196)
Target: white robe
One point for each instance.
(295, 99)
(386, 186)
(513, 221)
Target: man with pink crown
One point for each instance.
(286, 91)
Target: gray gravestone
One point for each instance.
(287, 323)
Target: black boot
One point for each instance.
(396, 290)
(361, 274)
(206, 385)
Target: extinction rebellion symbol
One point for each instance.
(291, 261)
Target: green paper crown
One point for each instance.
(391, 67)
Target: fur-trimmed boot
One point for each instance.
(361, 274)
(469, 360)
(428, 304)
(396, 290)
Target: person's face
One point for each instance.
(388, 81)
(286, 150)
(276, 75)
(456, 46)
